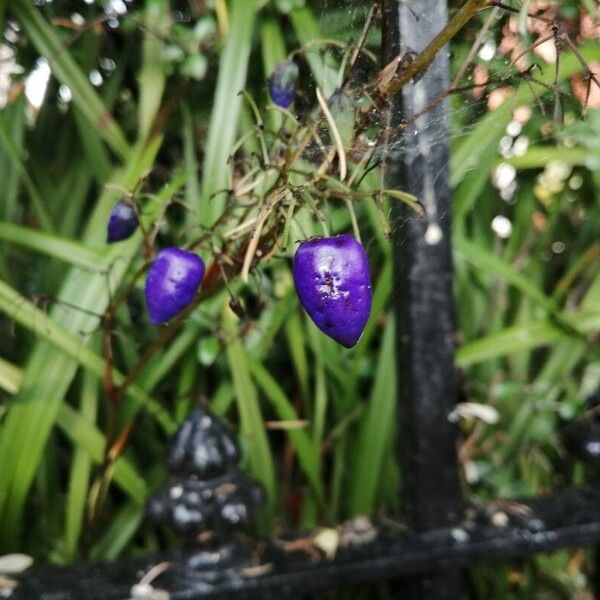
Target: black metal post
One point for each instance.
(418, 163)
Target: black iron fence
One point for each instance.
(443, 532)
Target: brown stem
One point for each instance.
(425, 58)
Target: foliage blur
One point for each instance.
(141, 99)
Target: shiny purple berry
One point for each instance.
(282, 83)
(173, 280)
(122, 222)
(334, 286)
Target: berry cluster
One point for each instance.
(331, 274)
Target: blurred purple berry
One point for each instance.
(173, 280)
(282, 83)
(334, 286)
(122, 222)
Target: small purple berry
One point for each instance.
(334, 286)
(282, 83)
(173, 280)
(122, 222)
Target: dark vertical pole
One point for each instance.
(418, 163)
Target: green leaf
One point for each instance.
(192, 188)
(295, 338)
(272, 45)
(233, 69)
(95, 151)
(538, 157)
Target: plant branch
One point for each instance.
(420, 63)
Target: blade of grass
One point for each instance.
(308, 453)
(83, 434)
(272, 45)
(44, 326)
(222, 399)
(233, 69)
(295, 339)
(155, 371)
(31, 416)
(119, 533)
(192, 187)
(14, 117)
(152, 78)
(53, 246)
(65, 68)
(81, 466)
(96, 155)
(321, 397)
(95, 151)
(539, 156)
(375, 430)
(13, 155)
(252, 429)
(307, 30)
(489, 263)
(524, 337)
(10, 377)
(273, 52)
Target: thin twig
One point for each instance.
(475, 47)
(361, 41)
(335, 133)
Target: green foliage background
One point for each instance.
(528, 310)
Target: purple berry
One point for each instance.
(282, 83)
(122, 222)
(173, 280)
(334, 286)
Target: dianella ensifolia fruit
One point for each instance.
(332, 280)
(172, 282)
(282, 83)
(122, 222)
